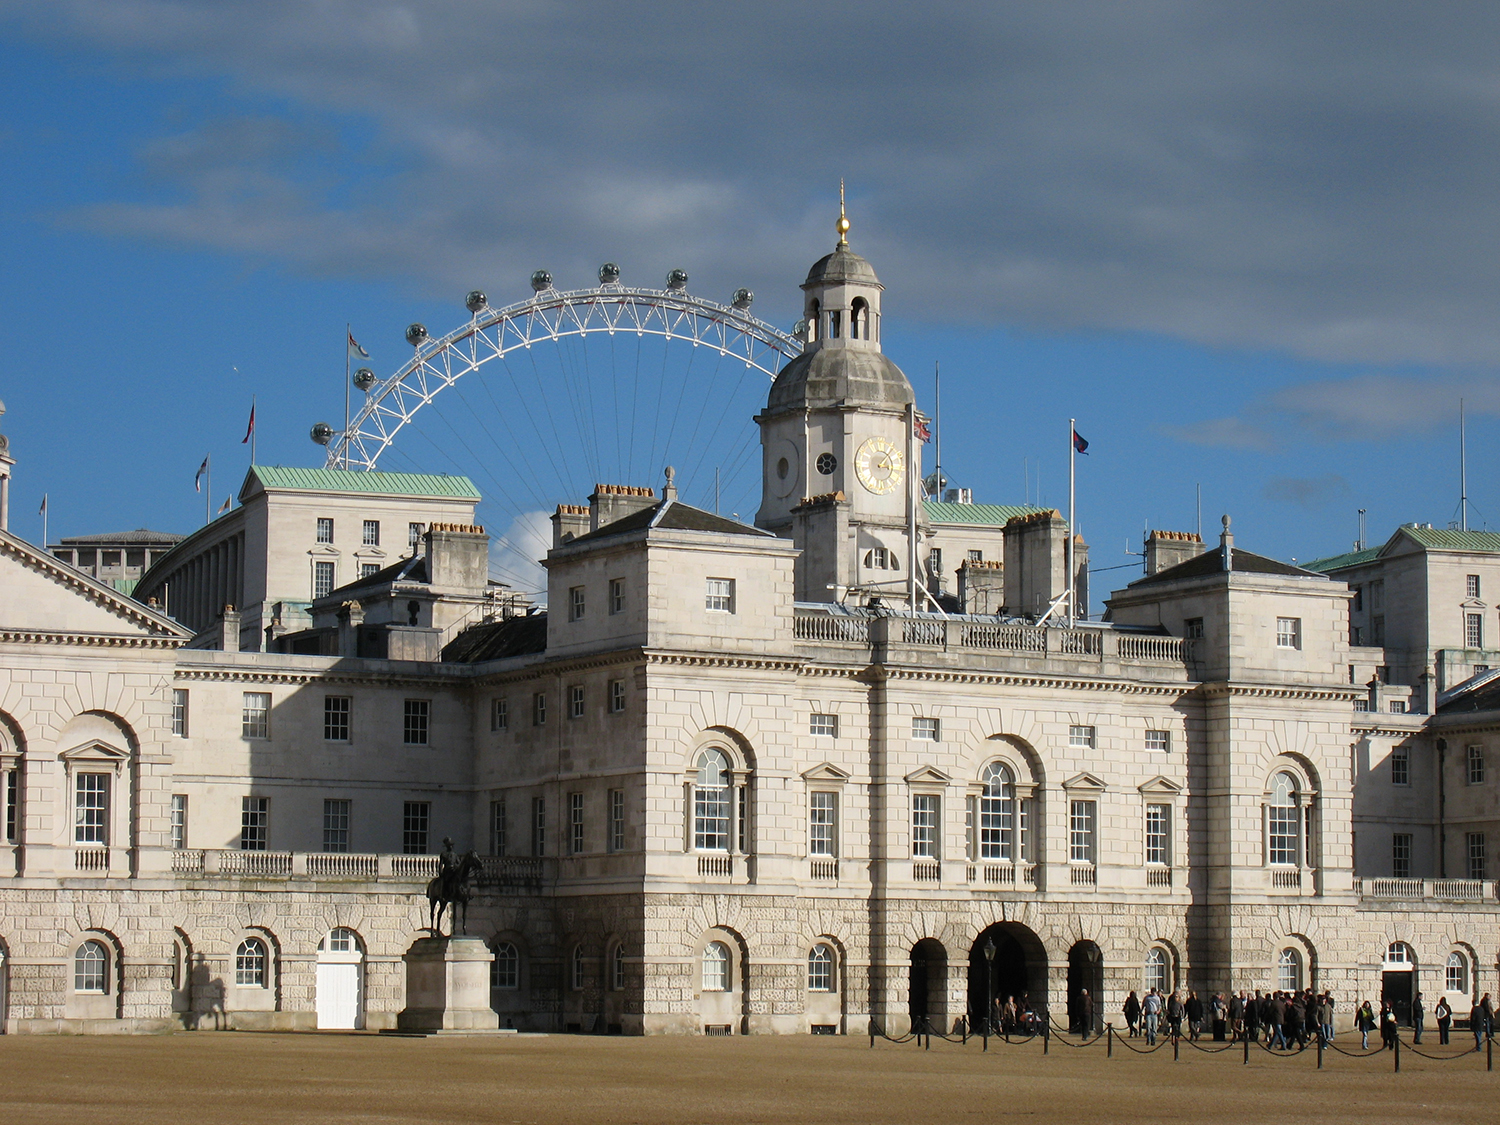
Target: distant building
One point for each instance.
(117, 560)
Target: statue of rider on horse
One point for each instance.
(450, 888)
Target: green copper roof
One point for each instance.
(1339, 562)
(1444, 540)
(984, 515)
(372, 483)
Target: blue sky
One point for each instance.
(1255, 251)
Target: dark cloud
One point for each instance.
(1314, 492)
(1313, 178)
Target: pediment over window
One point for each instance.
(95, 752)
(325, 551)
(928, 775)
(825, 772)
(1085, 781)
(1162, 786)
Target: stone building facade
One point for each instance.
(729, 782)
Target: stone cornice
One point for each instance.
(722, 660)
(561, 666)
(1034, 680)
(303, 677)
(1284, 691)
(1386, 732)
(90, 640)
(98, 593)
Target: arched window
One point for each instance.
(716, 967)
(505, 968)
(814, 321)
(1456, 975)
(711, 802)
(1156, 969)
(820, 969)
(859, 319)
(1283, 822)
(617, 968)
(91, 968)
(250, 964)
(340, 940)
(578, 968)
(997, 807)
(1289, 971)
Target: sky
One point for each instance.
(1250, 248)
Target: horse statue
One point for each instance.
(450, 887)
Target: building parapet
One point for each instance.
(236, 864)
(1428, 890)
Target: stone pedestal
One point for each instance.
(448, 986)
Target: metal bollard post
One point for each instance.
(1320, 1050)
(1174, 1048)
(1398, 1054)
(1046, 1039)
(1109, 1043)
(1489, 1055)
(1247, 1049)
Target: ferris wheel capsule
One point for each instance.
(609, 274)
(677, 280)
(799, 330)
(322, 433)
(415, 334)
(364, 378)
(743, 298)
(476, 300)
(541, 281)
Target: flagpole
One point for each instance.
(1072, 457)
(208, 492)
(252, 431)
(44, 521)
(911, 506)
(348, 335)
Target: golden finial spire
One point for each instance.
(843, 223)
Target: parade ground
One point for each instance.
(274, 1079)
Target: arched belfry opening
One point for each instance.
(1017, 970)
(859, 319)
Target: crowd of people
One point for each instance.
(1285, 1020)
(1014, 1017)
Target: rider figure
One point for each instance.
(448, 868)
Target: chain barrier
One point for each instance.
(1229, 1046)
(1068, 1031)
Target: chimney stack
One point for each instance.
(1168, 548)
(611, 502)
(1226, 542)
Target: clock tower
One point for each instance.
(834, 441)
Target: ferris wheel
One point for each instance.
(539, 400)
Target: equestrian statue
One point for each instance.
(450, 888)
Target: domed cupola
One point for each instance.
(841, 362)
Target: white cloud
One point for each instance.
(514, 556)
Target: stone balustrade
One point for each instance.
(234, 864)
(1428, 890)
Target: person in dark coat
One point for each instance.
(1174, 1015)
(1132, 1010)
(1418, 1015)
(1276, 1023)
(1364, 1021)
(1388, 1025)
(1085, 1012)
(1252, 1017)
(1443, 1013)
(1193, 1009)
(1219, 1012)
(1237, 1014)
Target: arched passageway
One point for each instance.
(1017, 971)
(928, 991)
(1085, 988)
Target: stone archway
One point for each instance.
(1085, 974)
(1018, 970)
(927, 996)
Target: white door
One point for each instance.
(339, 994)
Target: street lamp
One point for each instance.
(989, 986)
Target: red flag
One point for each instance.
(1079, 444)
(251, 428)
(921, 429)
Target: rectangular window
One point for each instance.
(1474, 848)
(976, 556)
(180, 712)
(539, 826)
(879, 559)
(368, 570)
(179, 820)
(575, 823)
(742, 818)
(1398, 706)
(711, 817)
(414, 818)
(616, 696)
(825, 725)
(1082, 737)
(1192, 628)
(924, 730)
(110, 559)
(1475, 765)
(1471, 585)
(616, 595)
(1289, 632)
(255, 821)
(413, 534)
(995, 807)
(1282, 830)
(1158, 740)
(1473, 630)
(325, 530)
(1377, 595)
(91, 809)
(575, 701)
(371, 533)
(1361, 704)
(497, 826)
(924, 826)
(336, 718)
(539, 709)
(935, 560)
(577, 603)
(255, 715)
(822, 824)
(617, 820)
(1401, 765)
(336, 825)
(1158, 834)
(1357, 599)
(1023, 825)
(1081, 815)
(499, 714)
(414, 726)
(322, 579)
(12, 806)
(1401, 855)
(719, 595)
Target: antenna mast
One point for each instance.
(1463, 470)
(937, 427)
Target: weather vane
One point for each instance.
(843, 223)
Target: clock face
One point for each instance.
(879, 466)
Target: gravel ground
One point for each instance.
(265, 1079)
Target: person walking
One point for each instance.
(1364, 1020)
(1418, 1015)
(1174, 1015)
(1193, 1009)
(1444, 1016)
(1132, 1010)
(1219, 1013)
(1387, 1025)
(1276, 1025)
(1151, 1015)
(1295, 1027)
(1252, 1017)
(1325, 1016)
(1237, 1015)
(1477, 1022)
(1085, 1013)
